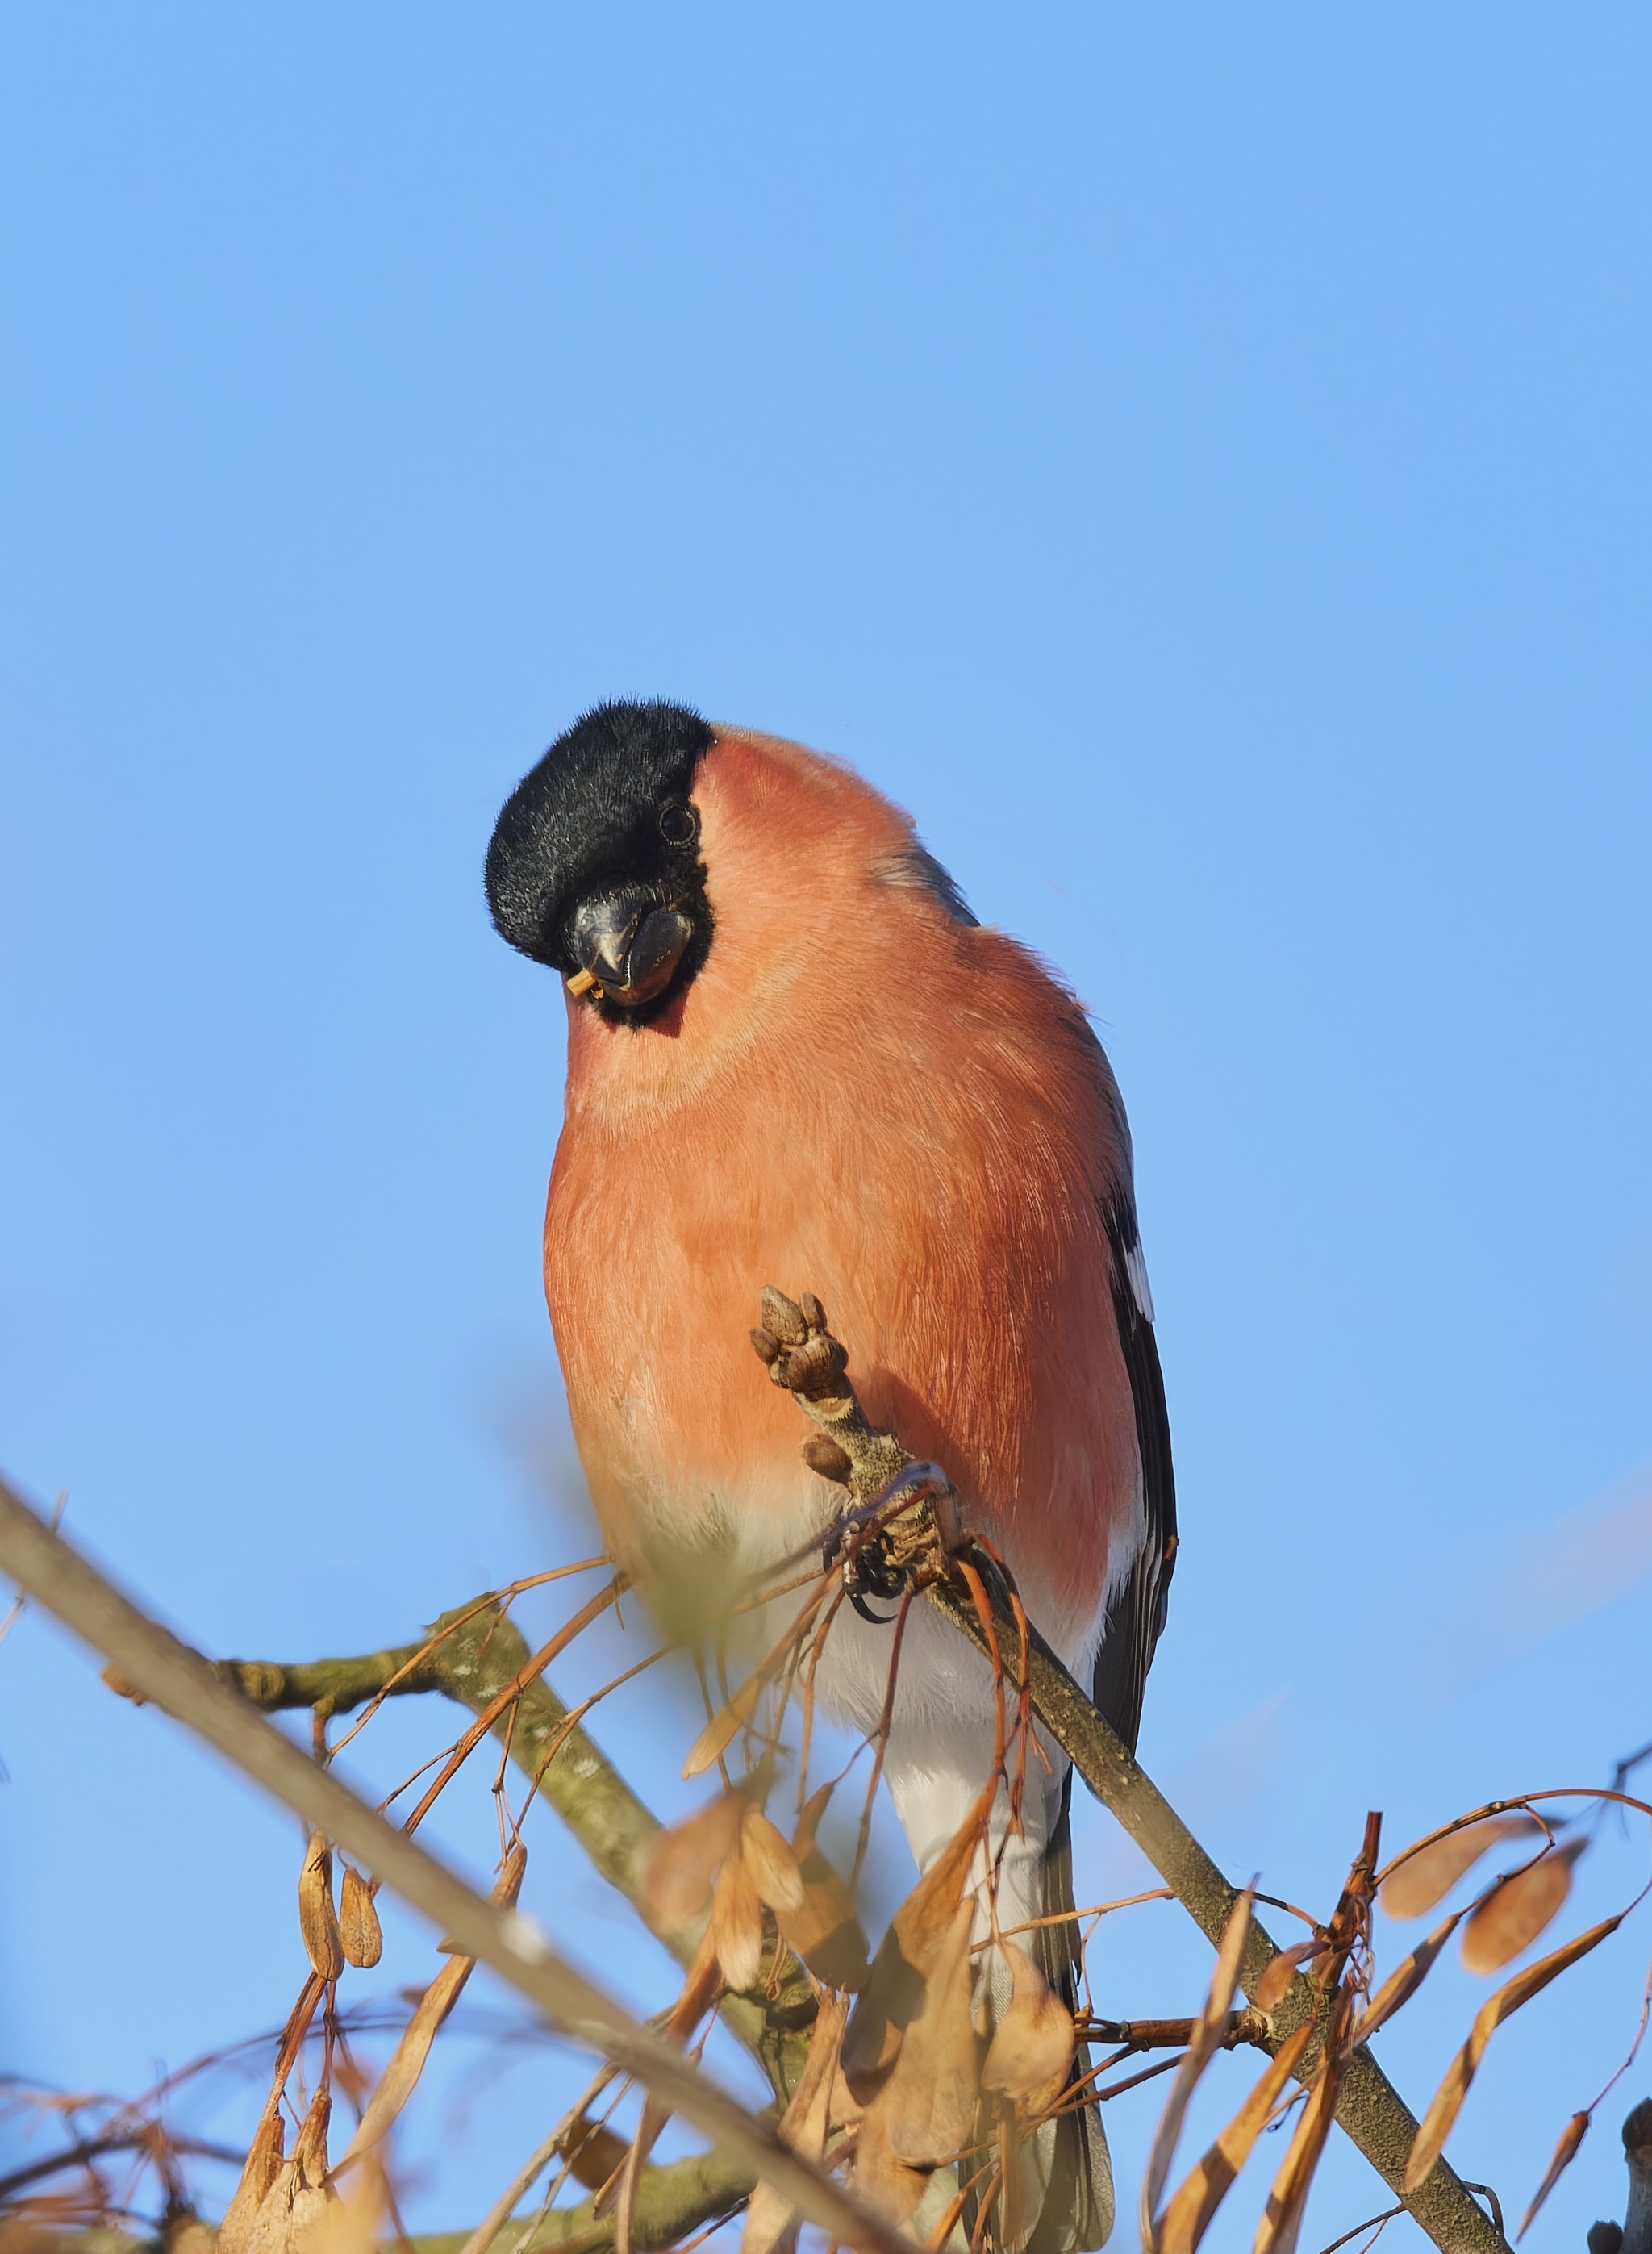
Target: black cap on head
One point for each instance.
(589, 817)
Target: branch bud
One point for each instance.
(782, 1318)
(822, 1453)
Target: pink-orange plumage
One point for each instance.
(862, 1096)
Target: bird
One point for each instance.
(796, 1058)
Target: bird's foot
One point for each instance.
(868, 1566)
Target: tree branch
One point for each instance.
(671, 2199)
(182, 1684)
(475, 1652)
(470, 1655)
(911, 1530)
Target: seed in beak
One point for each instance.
(581, 982)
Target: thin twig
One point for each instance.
(1370, 2109)
(505, 2206)
(1372, 2221)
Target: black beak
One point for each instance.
(629, 945)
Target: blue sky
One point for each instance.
(1194, 458)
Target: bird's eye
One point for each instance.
(679, 824)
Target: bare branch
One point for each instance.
(671, 2200)
(471, 1655)
(180, 1682)
(904, 1507)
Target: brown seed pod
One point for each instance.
(702, 1985)
(359, 1929)
(299, 2203)
(776, 1872)
(1511, 1917)
(894, 1990)
(263, 2164)
(737, 1925)
(1426, 1877)
(766, 1347)
(1281, 1970)
(318, 1920)
(825, 1932)
(822, 1453)
(928, 2102)
(1565, 2152)
(1033, 2046)
(310, 2153)
(812, 1311)
(724, 1727)
(882, 2178)
(678, 1886)
(1447, 2100)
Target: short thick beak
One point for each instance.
(628, 946)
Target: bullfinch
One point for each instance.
(795, 1057)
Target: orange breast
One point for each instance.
(861, 1098)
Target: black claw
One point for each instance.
(878, 1578)
(869, 1573)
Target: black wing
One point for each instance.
(1136, 1617)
